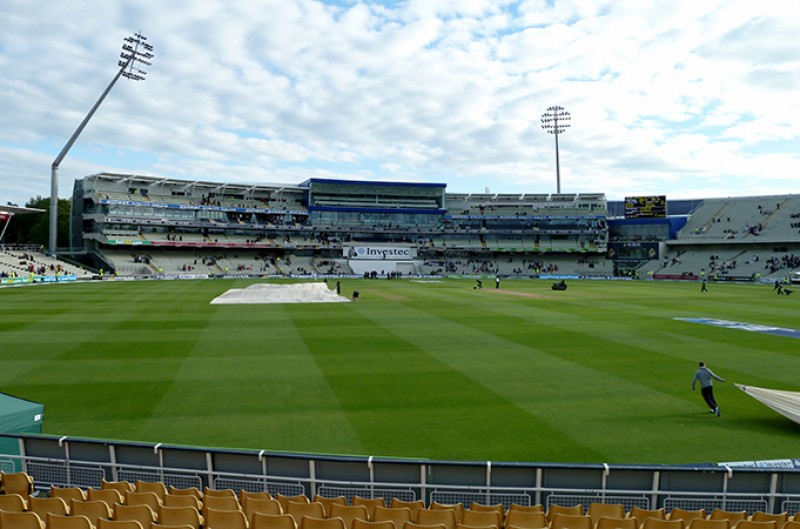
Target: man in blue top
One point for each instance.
(704, 376)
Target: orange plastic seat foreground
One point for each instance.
(139, 513)
(733, 517)
(272, 521)
(180, 516)
(441, 516)
(43, 506)
(398, 515)
(482, 518)
(655, 523)
(17, 483)
(779, 518)
(21, 520)
(102, 523)
(610, 522)
(686, 515)
(67, 493)
(573, 510)
(151, 486)
(413, 506)
(229, 519)
(13, 503)
(571, 521)
(526, 520)
(369, 503)
(349, 513)
(610, 510)
(297, 510)
(384, 524)
(57, 521)
(312, 522)
(327, 502)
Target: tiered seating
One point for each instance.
(152, 505)
(20, 263)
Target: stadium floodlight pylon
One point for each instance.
(556, 121)
(136, 51)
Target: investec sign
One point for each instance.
(380, 253)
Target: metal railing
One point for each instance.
(85, 463)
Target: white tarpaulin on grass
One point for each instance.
(787, 403)
(280, 293)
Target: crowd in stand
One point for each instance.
(783, 262)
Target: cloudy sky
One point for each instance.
(685, 98)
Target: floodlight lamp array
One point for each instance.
(135, 51)
(555, 120)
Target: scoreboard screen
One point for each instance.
(653, 207)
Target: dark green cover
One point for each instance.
(18, 416)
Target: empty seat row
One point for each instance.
(116, 496)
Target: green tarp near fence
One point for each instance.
(17, 416)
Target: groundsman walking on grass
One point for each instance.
(704, 375)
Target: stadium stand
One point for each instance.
(138, 225)
(32, 262)
(744, 239)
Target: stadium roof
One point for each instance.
(18, 210)
(370, 183)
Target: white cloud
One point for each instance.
(665, 96)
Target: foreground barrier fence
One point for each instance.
(66, 461)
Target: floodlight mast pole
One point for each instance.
(555, 121)
(135, 51)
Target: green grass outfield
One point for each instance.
(599, 373)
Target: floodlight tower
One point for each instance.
(555, 121)
(135, 52)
